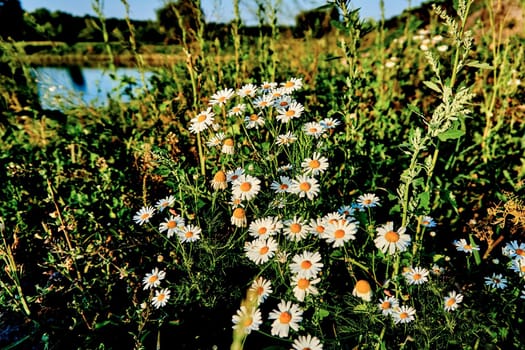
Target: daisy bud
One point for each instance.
(239, 217)
(362, 290)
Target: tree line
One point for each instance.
(173, 19)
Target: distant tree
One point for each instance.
(317, 21)
(12, 24)
(180, 21)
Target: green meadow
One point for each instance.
(359, 189)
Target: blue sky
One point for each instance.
(214, 10)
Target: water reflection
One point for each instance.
(62, 88)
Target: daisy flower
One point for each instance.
(277, 93)
(317, 227)
(305, 186)
(303, 286)
(329, 123)
(165, 203)
(143, 215)
(463, 246)
(285, 168)
(496, 281)
(292, 85)
(219, 182)
(307, 343)
(452, 301)
(172, 225)
(368, 200)
(235, 202)
(232, 175)
(247, 90)
(221, 97)
(246, 187)
(216, 140)
(437, 270)
(283, 185)
(416, 275)
(283, 101)
(237, 110)
(239, 217)
(427, 221)
(388, 305)
(202, 121)
(346, 211)
(295, 229)
(189, 233)
(262, 102)
(306, 264)
(247, 320)
(340, 232)
(363, 290)
(389, 240)
(161, 298)
(333, 217)
(313, 129)
(152, 280)
(263, 227)
(267, 86)
(262, 288)
(514, 249)
(261, 250)
(294, 111)
(404, 314)
(286, 139)
(315, 165)
(254, 120)
(228, 146)
(288, 315)
(518, 266)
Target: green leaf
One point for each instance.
(424, 200)
(478, 64)
(322, 313)
(433, 86)
(451, 134)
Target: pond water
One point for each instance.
(62, 88)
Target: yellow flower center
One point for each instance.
(319, 229)
(403, 315)
(153, 279)
(295, 228)
(338, 234)
(303, 283)
(467, 247)
(171, 224)
(264, 250)
(254, 117)
(145, 216)
(228, 142)
(260, 290)
(451, 301)
(220, 176)
(285, 317)
(362, 287)
(314, 164)
(520, 252)
(313, 130)
(284, 187)
(306, 264)
(245, 186)
(222, 99)
(416, 277)
(248, 321)
(305, 186)
(386, 305)
(201, 118)
(188, 234)
(392, 236)
(367, 201)
(289, 84)
(262, 230)
(239, 213)
(290, 113)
